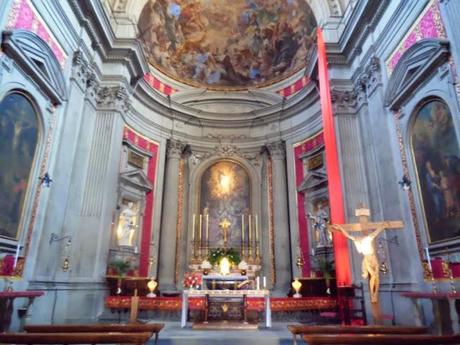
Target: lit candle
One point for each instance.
(264, 282)
(428, 259)
(257, 283)
(16, 257)
(193, 227)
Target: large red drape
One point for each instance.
(340, 243)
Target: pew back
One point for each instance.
(74, 338)
(381, 339)
(129, 328)
(374, 329)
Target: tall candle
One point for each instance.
(250, 230)
(16, 257)
(257, 229)
(258, 283)
(428, 259)
(242, 230)
(201, 227)
(264, 282)
(193, 227)
(207, 228)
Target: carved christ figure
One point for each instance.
(364, 243)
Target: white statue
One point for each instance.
(127, 224)
(319, 221)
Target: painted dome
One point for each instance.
(223, 44)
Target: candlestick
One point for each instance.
(257, 283)
(264, 282)
(250, 235)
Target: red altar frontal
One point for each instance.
(199, 303)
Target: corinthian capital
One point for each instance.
(175, 149)
(114, 97)
(277, 150)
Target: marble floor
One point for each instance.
(173, 334)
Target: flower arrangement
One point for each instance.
(215, 255)
(192, 280)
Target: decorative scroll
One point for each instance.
(23, 15)
(148, 145)
(428, 25)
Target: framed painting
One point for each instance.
(224, 194)
(436, 156)
(18, 141)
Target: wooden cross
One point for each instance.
(368, 231)
(225, 224)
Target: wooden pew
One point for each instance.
(298, 330)
(74, 338)
(98, 328)
(381, 339)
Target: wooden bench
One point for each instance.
(75, 338)
(151, 328)
(381, 339)
(298, 330)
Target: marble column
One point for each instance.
(280, 218)
(167, 250)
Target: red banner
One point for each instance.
(342, 264)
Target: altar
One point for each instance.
(243, 295)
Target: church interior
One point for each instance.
(205, 172)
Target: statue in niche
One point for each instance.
(127, 225)
(320, 220)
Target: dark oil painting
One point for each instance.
(18, 140)
(437, 158)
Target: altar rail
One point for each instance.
(199, 303)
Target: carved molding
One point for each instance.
(113, 97)
(367, 79)
(33, 55)
(414, 67)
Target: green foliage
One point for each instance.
(121, 266)
(215, 255)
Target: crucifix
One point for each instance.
(225, 224)
(363, 234)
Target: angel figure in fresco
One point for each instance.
(127, 225)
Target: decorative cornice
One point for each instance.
(115, 97)
(277, 150)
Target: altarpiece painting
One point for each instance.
(437, 159)
(225, 194)
(18, 141)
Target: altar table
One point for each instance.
(245, 294)
(6, 306)
(437, 298)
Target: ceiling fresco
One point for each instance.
(223, 44)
